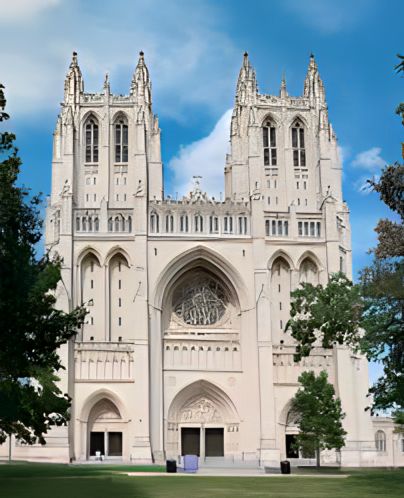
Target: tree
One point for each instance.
(31, 328)
(336, 313)
(328, 314)
(319, 415)
(382, 285)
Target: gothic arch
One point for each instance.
(99, 395)
(117, 250)
(199, 390)
(88, 115)
(204, 257)
(283, 414)
(312, 257)
(280, 253)
(298, 117)
(120, 115)
(85, 252)
(269, 116)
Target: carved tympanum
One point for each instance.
(201, 411)
(200, 301)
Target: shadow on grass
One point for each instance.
(92, 481)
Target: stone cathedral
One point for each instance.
(184, 349)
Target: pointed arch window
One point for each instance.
(213, 224)
(228, 224)
(169, 223)
(91, 132)
(154, 223)
(121, 141)
(380, 440)
(269, 143)
(96, 224)
(129, 224)
(198, 223)
(184, 223)
(298, 145)
(242, 225)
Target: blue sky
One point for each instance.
(194, 51)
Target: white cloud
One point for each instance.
(369, 159)
(20, 10)
(328, 16)
(205, 157)
(179, 40)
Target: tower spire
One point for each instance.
(74, 85)
(247, 88)
(140, 86)
(313, 84)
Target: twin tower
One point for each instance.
(184, 348)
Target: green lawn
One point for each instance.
(101, 481)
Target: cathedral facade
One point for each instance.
(184, 348)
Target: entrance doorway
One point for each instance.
(190, 441)
(108, 444)
(291, 451)
(97, 443)
(214, 442)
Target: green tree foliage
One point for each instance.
(328, 314)
(319, 415)
(335, 314)
(31, 329)
(383, 290)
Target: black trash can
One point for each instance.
(171, 466)
(285, 467)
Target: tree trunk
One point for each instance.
(318, 457)
(9, 448)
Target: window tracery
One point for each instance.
(201, 302)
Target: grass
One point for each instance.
(24, 480)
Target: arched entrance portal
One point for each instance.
(202, 420)
(105, 431)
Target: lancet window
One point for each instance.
(380, 440)
(242, 225)
(121, 141)
(298, 145)
(269, 144)
(154, 223)
(228, 224)
(198, 223)
(213, 224)
(91, 134)
(169, 223)
(184, 223)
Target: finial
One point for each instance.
(283, 91)
(311, 55)
(74, 59)
(141, 53)
(106, 81)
